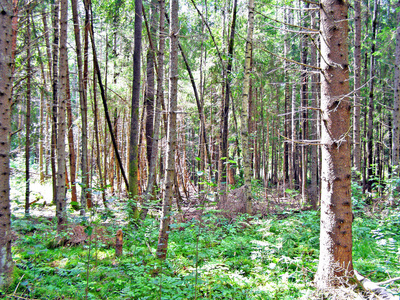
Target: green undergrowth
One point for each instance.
(249, 258)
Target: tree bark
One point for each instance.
(244, 117)
(6, 66)
(61, 209)
(162, 245)
(335, 258)
(134, 134)
(28, 111)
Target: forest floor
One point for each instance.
(272, 255)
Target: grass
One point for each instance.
(245, 259)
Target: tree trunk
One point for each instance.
(134, 135)
(396, 112)
(6, 66)
(335, 258)
(71, 147)
(82, 99)
(371, 105)
(225, 107)
(244, 117)
(28, 110)
(160, 96)
(162, 245)
(55, 12)
(61, 209)
(357, 92)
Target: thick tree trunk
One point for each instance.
(6, 65)
(61, 209)
(335, 258)
(244, 117)
(162, 245)
(134, 135)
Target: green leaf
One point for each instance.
(89, 230)
(197, 158)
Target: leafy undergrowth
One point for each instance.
(249, 258)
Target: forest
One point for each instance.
(199, 149)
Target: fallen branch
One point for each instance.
(373, 287)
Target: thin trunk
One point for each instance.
(71, 147)
(162, 245)
(55, 12)
(28, 111)
(357, 92)
(225, 106)
(244, 118)
(396, 110)
(134, 134)
(157, 116)
(61, 209)
(82, 97)
(371, 105)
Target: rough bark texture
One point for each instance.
(134, 135)
(6, 264)
(61, 210)
(336, 212)
(162, 245)
(245, 107)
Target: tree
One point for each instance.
(162, 245)
(6, 264)
(245, 107)
(61, 209)
(134, 135)
(396, 108)
(336, 212)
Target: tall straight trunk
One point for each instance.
(149, 93)
(357, 92)
(225, 107)
(162, 245)
(134, 135)
(28, 111)
(371, 106)
(304, 106)
(61, 209)
(244, 117)
(82, 98)
(314, 194)
(396, 110)
(96, 133)
(55, 13)
(293, 137)
(157, 116)
(335, 259)
(71, 147)
(6, 66)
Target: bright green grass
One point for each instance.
(245, 259)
